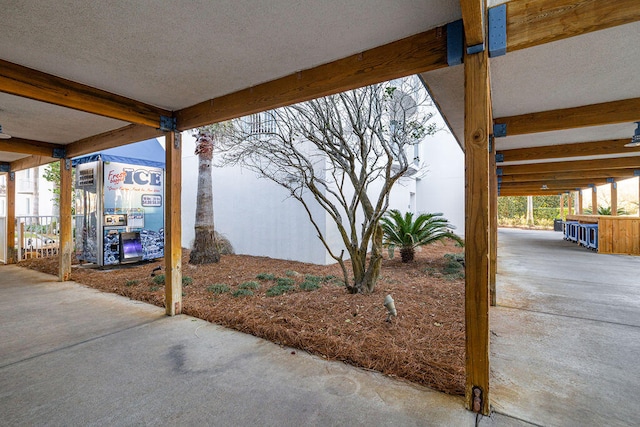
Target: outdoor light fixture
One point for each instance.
(4, 135)
(544, 187)
(391, 307)
(635, 139)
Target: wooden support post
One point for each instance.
(569, 203)
(562, 206)
(614, 198)
(65, 239)
(579, 210)
(493, 226)
(594, 201)
(476, 131)
(639, 196)
(11, 218)
(172, 224)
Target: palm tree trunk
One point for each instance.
(205, 247)
(407, 253)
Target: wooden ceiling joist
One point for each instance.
(472, 20)
(27, 146)
(516, 193)
(596, 148)
(572, 166)
(28, 83)
(553, 185)
(412, 55)
(550, 176)
(606, 113)
(111, 139)
(534, 22)
(31, 162)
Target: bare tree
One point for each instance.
(344, 152)
(205, 248)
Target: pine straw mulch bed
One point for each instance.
(424, 344)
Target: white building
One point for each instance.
(259, 218)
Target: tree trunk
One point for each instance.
(365, 277)
(407, 253)
(205, 248)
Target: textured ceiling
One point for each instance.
(179, 53)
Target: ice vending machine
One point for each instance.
(119, 204)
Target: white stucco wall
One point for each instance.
(258, 217)
(441, 188)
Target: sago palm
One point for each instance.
(407, 234)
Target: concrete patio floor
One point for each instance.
(565, 337)
(564, 347)
(71, 355)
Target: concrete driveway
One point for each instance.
(565, 344)
(73, 356)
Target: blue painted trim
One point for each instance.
(636, 172)
(591, 186)
(499, 157)
(59, 153)
(498, 30)
(611, 180)
(475, 49)
(499, 180)
(167, 124)
(498, 171)
(455, 43)
(5, 167)
(500, 130)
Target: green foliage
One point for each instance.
(154, 288)
(406, 233)
(606, 210)
(455, 264)
(218, 288)
(312, 278)
(512, 210)
(291, 273)
(242, 293)
(266, 276)
(285, 281)
(249, 285)
(131, 282)
(309, 285)
(280, 289)
(186, 280)
(159, 279)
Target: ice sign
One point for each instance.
(151, 200)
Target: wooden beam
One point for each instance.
(477, 129)
(27, 146)
(559, 176)
(412, 55)
(534, 22)
(472, 19)
(493, 228)
(172, 226)
(29, 83)
(11, 219)
(606, 113)
(65, 240)
(521, 193)
(111, 139)
(572, 166)
(566, 183)
(31, 162)
(597, 148)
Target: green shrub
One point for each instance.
(266, 276)
(131, 283)
(312, 278)
(285, 281)
(154, 288)
(278, 290)
(218, 288)
(159, 279)
(242, 293)
(186, 280)
(291, 273)
(249, 285)
(309, 285)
